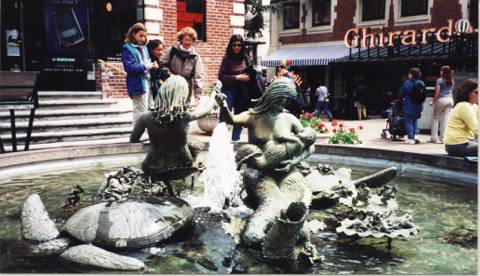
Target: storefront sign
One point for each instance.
(356, 37)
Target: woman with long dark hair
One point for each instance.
(462, 125)
(233, 77)
(443, 103)
(159, 75)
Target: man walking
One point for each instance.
(322, 102)
(412, 94)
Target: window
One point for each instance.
(320, 13)
(291, 16)
(473, 18)
(414, 7)
(191, 13)
(373, 10)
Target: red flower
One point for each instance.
(340, 125)
(334, 123)
(334, 130)
(320, 125)
(308, 116)
(360, 127)
(352, 130)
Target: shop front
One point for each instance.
(309, 62)
(381, 61)
(64, 38)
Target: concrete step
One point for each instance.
(55, 114)
(72, 135)
(69, 103)
(69, 94)
(56, 125)
(68, 144)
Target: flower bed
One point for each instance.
(344, 135)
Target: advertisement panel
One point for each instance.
(67, 36)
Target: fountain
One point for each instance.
(293, 216)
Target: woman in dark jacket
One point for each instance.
(233, 77)
(159, 75)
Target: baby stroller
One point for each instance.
(395, 123)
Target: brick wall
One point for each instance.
(111, 82)
(223, 18)
(441, 11)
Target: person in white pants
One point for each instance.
(443, 104)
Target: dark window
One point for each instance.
(474, 13)
(109, 22)
(191, 13)
(373, 10)
(291, 16)
(320, 12)
(414, 7)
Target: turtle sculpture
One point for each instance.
(129, 224)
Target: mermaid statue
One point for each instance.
(171, 154)
(272, 179)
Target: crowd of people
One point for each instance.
(148, 65)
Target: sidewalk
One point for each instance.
(370, 135)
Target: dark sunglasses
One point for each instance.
(236, 45)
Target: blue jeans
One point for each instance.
(411, 126)
(321, 107)
(237, 130)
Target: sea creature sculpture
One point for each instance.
(126, 224)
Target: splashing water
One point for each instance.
(220, 179)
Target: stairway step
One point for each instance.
(55, 113)
(69, 94)
(62, 135)
(45, 103)
(70, 123)
(68, 144)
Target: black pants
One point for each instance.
(462, 150)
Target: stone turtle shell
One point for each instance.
(130, 224)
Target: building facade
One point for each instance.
(76, 44)
(343, 42)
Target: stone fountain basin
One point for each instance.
(439, 168)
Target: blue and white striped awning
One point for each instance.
(306, 56)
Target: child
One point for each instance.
(137, 64)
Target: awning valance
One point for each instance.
(306, 56)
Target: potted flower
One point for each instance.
(209, 122)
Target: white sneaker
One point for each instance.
(410, 142)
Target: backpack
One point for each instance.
(418, 93)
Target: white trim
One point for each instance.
(296, 45)
(409, 20)
(371, 23)
(320, 29)
(465, 4)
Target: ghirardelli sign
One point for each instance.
(362, 37)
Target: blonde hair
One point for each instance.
(170, 102)
(187, 31)
(137, 27)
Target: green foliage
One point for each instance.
(308, 120)
(342, 136)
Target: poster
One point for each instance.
(66, 31)
(12, 37)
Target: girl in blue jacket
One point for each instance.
(137, 64)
